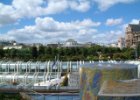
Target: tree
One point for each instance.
(34, 52)
(1, 53)
(41, 50)
(13, 53)
(61, 51)
(84, 52)
(48, 51)
(54, 52)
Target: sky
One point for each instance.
(52, 21)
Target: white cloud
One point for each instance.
(135, 21)
(82, 6)
(7, 15)
(112, 22)
(105, 4)
(88, 22)
(47, 30)
(27, 8)
(108, 37)
(34, 8)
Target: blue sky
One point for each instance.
(50, 21)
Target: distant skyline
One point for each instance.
(45, 21)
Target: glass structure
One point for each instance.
(34, 72)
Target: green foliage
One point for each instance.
(41, 50)
(75, 53)
(13, 53)
(1, 53)
(34, 52)
(4, 96)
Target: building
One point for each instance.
(54, 45)
(10, 44)
(71, 43)
(121, 42)
(132, 35)
(89, 44)
(114, 45)
(12, 47)
(4, 42)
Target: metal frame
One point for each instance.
(33, 72)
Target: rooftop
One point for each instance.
(135, 27)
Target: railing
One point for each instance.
(38, 66)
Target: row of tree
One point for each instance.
(77, 53)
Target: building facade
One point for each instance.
(5, 42)
(132, 35)
(13, 47)
(71, 43)
(74, 43)
(121, 42)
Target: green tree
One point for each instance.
(48, 51)
(13, 53)
(54, 52)
(1, 53)
(61, 51)
(41, 50)
(34, 52)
